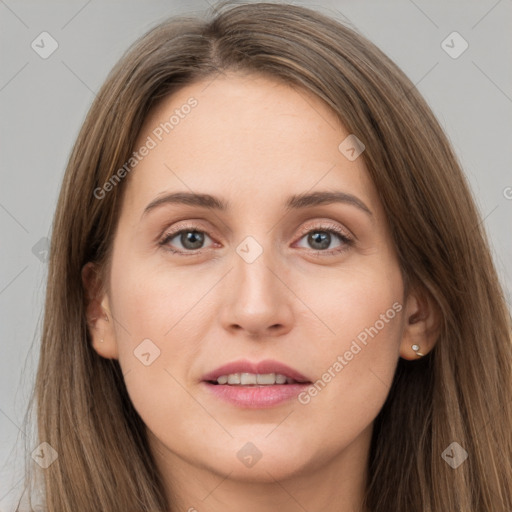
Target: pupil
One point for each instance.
(323, 238)
(192, 239)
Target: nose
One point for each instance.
(258, 299)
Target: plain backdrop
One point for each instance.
(43, 102)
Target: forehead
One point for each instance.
(248, 136)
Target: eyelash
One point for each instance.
(330, 228)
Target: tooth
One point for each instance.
(247, 378)
(234, 378)
(266, 378)
(251, 379)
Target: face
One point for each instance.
(283, 272)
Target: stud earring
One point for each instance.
(416, 349)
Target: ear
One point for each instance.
(422, 325)
(99, 319)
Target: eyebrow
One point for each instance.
(295, 202)
(319, 198)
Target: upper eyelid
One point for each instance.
(326, 225)
(310, 225)
(187, 227)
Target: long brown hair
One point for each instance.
(460, 392)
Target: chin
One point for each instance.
(268, 469)
(260, 460)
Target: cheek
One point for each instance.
(362, 301)
(160, 321)
(357, 361)
(152, 308)
(152, 311)
(150, 300)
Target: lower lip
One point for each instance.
(256, 397)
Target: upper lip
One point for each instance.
(261, 367)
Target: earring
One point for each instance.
(416, 349)
(101, 340)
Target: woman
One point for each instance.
(269, 287)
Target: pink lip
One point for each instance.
(255, 397)
(244, 366)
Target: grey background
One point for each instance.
(43, 103)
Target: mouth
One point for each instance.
(255, 385)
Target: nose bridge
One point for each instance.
(255, 283)
(258, 299)
(254, 279)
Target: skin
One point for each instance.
(254, 141)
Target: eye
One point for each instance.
(321, 239)
(188, 239)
